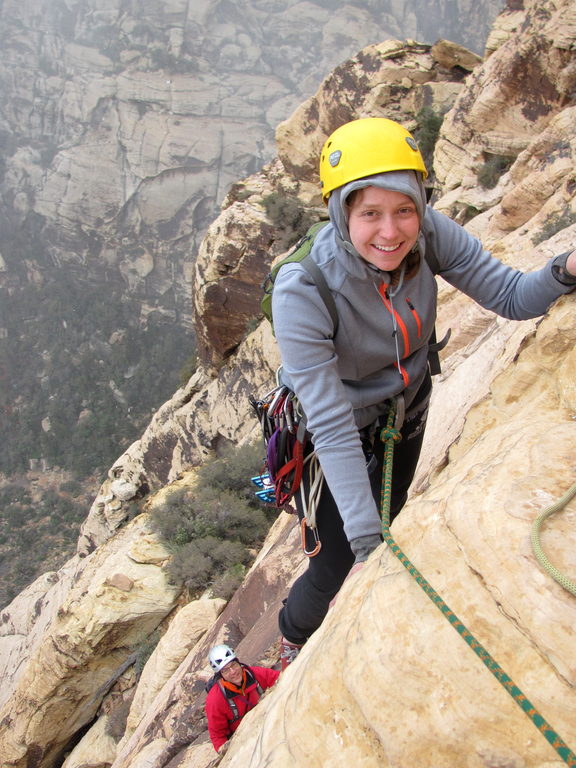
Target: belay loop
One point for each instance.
(562, 749)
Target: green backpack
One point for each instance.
(301, 253)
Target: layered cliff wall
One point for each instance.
(122, 127)
(386, 680)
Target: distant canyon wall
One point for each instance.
(123, 125)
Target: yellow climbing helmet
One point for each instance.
(364, 147)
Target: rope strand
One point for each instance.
(557, 575)
(562, 749)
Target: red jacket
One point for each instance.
(220, 715)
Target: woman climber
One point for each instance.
(376, 256)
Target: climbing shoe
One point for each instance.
(288, 652)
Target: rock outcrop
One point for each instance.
(117, 597)
(386, 680)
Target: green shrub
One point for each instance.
(144, 652)
(288, 215)
(37, 536)
(188, 370)
(493, 168)
(230, 471)
(191, 568)
(72, 487)
(554, 225)
(429, 124)
(228, 582)
(212, 530)
(237, 518)
(117, 719)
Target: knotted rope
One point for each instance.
(390, 436)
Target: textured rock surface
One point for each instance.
(185, 630)
(119, 596)
(249, 624)
(508, 102)
(97, 749)
(386, 680)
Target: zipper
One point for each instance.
(416, 317)
(397, 323)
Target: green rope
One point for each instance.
(537, 547)
(390, 436)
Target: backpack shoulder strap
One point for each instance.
(231, 703)
(434, 346)
(316, 274)
(301, 253)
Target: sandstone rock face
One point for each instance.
(509, 101)
(204, 416)
(386, 681)
(97, 749)
(185, 630)
(249, 624)
(119, 595)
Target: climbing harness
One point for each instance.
(390, 436)
(557, 575)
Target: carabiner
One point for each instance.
(312, 552)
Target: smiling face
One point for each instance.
(232, 672)
(383, 226)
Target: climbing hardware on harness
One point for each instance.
(390, 436)
(285, 437)
(284, 434)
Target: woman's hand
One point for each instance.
(571, 264)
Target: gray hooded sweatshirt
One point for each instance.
(381, 347)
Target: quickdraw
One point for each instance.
(389, 436)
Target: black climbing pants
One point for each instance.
(309, 598)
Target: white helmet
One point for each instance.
(219, 656)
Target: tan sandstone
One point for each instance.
(386, 680)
